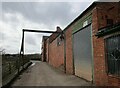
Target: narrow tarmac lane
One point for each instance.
(42, 74)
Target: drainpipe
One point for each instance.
(92, 55)
(64, 51)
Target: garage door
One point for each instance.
(83, 53)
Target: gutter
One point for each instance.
(64, 51)
(108, 30)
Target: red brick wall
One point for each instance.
(69, 52)
(44, 48)
(56, 54)
(107, 10)
(99, 20)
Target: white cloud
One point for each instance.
(19, 16)
(79, 7)
(48, 0)
(12, 25)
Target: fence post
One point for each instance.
(9, 68)
(18, 64)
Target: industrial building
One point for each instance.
(89, 47)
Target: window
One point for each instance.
(85, 23)
(59, 40)
(113, 54)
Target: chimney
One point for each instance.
(58, 29)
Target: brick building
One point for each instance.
(90, 46)
(44, 48)
(56, 49)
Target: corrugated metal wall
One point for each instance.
(83, 53)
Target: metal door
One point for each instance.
(82, 48)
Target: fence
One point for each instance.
(11, 66)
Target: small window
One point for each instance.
(85, 23)
(59, 40)
(113, 54)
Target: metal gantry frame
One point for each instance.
(38, 31)
(29, 30)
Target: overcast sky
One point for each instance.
(34, 15)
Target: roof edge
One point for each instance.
(81, 15)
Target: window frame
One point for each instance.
(106, 58)
(59, 40)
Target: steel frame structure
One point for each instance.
(38, 31)
(22, 43)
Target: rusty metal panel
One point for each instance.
(83, 53)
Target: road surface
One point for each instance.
(42, 74)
